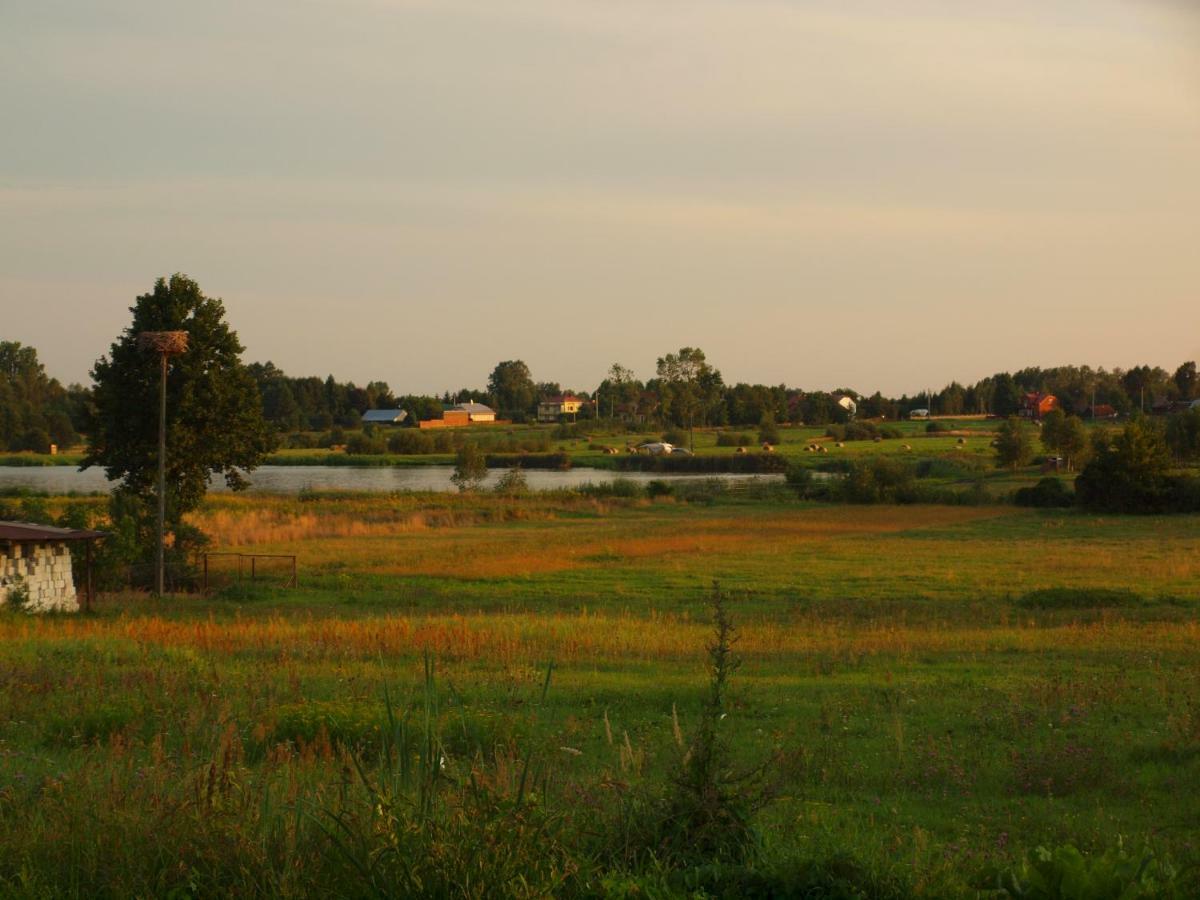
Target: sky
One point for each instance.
(823, 193)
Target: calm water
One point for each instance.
(293, 479)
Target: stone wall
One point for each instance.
(44, 570)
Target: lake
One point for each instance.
(293, 479)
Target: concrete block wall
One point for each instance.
(45, 569)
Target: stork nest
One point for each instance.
(165, 342)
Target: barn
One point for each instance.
(35, 566)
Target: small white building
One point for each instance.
(35, 566)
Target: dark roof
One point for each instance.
(28, 532)
(384, 415)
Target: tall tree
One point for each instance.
(1185, 380)
(687, 385)
(512, 388)
(1014, 447)
(215, 423)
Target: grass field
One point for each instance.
(931, 714)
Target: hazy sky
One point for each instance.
(871, 193)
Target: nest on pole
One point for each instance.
(167, 343)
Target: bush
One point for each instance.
(1049, 493)
(470, 468)
(878, 480)
(853, 431)
(1131, 475)
(658, 488)
(512, 482)
(361, 443)
(411, 441)
(1079, 598)
(937, 428)
(731, 439)
(1064, 873)
(676, 436)
(768, 431)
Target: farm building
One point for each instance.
(1035, 405)
(551, 408)
(35, 566)
(918, 414)
(384, 417)
(1100, 411)
(462, 414)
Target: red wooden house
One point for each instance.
(1036, 405)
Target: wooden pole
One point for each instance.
(162, 477)
(87, 597)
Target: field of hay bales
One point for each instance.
(495, 696)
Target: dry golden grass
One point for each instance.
(587, 637)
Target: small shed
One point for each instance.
(35, 563)
(384, 417)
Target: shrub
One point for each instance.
(732, 439)
(676, 436)
(854, 431)
(878, 480)
(1064, 873)
(470, 468)
(18, 594)
(937, 427)
(1131, 475)
(512, 482)
(361, 443)
(411, 441)
(1048, 493)
(768, 431)
(658, 488)
(1079, 598)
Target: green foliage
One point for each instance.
(18, 594)
(1014, 445)
(35, 410)
(732, 439)
(1064, 873)
(214, 412)
(854, 431)
(512, 388)
(1183, 435)
(470, 468)
(676, 436)
(1080, 598)
(1047, 493)
(512, 483)
(768, 431)
(1067, 436)
(878, 480)
(1132, 475)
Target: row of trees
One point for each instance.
(1076, 387)
(686, 391)
(35, 410)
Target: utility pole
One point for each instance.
(165, 344)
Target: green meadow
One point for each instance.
(490, 696)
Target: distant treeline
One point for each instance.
(36, 410)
